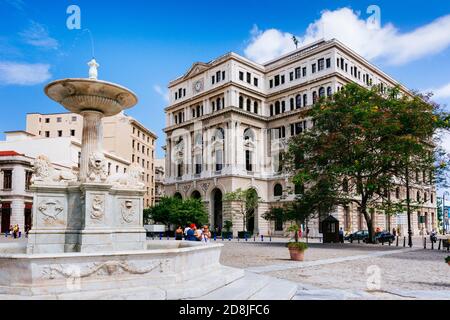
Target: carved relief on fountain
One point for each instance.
(128, 210)
(97, 168)
(51, 212)
(45, 174)
(98, 208)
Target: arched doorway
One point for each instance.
(196, 195)
(252, 200)
(178, 196)
(217, 204)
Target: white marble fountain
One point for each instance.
(88, 240)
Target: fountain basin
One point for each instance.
(167, 270)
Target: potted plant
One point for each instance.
(296, 249)
(227, 226)
(447, 260)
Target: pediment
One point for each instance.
(196, 68)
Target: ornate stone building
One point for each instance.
(228, 120)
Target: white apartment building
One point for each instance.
(229, 118)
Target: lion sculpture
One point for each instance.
(131, 180)
(44, 173)
(97, 168)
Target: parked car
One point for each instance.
(384, 236)
(359, 235)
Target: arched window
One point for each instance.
(322, 92)
(198, 139)
(249, 105)
(196, 195)
(292, 104)
(219, 135)
(298, 102)
(283, 106)
(249, 135)
(314, 97)
(305, 100)
(256, 107)
(213, 104)
(277, 107)
(278, 190)
(271, 110)
(178, 196)
(418, 196)
(329, 92)
(241, 102)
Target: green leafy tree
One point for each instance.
(356, 150)
(247, 201)
(175, 211)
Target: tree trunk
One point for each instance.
(369, 222)
(408, 207)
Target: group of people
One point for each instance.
(192, 233)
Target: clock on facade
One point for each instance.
(198, 86)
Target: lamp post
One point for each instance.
(444, 215)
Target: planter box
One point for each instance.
(227, 235)
(242, 234)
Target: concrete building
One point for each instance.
(123, 137)
(228, 120)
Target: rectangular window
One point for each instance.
(72, 133)
(218, 75)
(223, 75)
(291, 76)
(277, 81)
(255, 82)
(248, 161)
(28, 175)
(304, 72)
(271, 84)
(328, 63)
(7, 179)
(283, 79)
(198, 164)
(298, 73)
(60, 133)
(321, 64)
(47, 134)
(47, 120)
(213, 79)
(313, 68)
(219, 160)
(249, 77)
(59, 120)
(241, 76)
(74, 119)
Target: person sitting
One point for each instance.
(190, 235)
(179, 234)
(206, 234)
(198, 234)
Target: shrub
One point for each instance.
(298, 245)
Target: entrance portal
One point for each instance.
(217, 198)
(6, 217)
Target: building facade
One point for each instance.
(123, 136)
(228, 121)
(159, 179)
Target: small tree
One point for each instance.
(247, 203)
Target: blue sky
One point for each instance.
(145, 44)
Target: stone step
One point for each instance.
(254, 287)
(277, 289)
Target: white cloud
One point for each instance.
(386, 43)
(37, 35)
(18, 4)
(25, 74)
(441, 93)
(162, 92)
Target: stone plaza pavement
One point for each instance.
(348, 271)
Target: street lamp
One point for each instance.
(444, 216)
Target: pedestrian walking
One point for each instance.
(341, 235)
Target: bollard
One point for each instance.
(160, 236)
(246, 238)
(215, 238)
(262, 238)
(440, 242)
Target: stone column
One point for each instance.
(92, 139)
